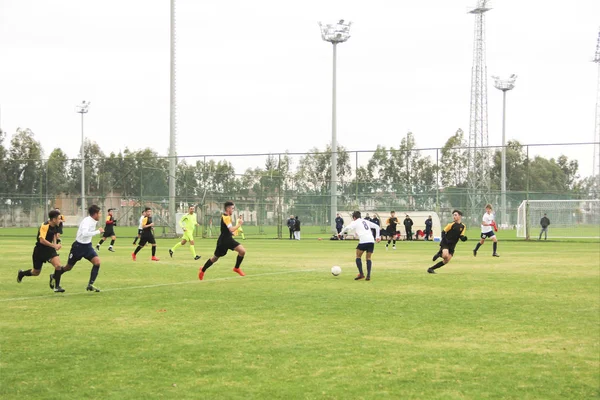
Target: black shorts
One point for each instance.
(108, 233)
(450, 248)
(225, 245)
(42, 254)
(139, 232)
(79, 251)
(147, 238)
(60, 228)
(368, 247)
(487, 235)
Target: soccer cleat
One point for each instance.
(20, 276)
(394, 248)
(201, 274)
(430, 271)
(111, 249)
(154, 258)
(134, 243)
(239, 272)
(474, 253)
(368, 278)
(51, 281)
(359, 277)
(92, 288)
(495, 255)
(197, 258)
(133, 256)
(98, 247)
(171, 253)
(58, 289)
(386, 247)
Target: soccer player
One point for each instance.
(392, 229)
(366, 242)
(82, 248)
(45, 248)
(109, 231)
(140, 227)
(188, 222)
(450, 236)
(226, 242)
(61, 219)
(487, 231)
(147, 235)
(240, 230)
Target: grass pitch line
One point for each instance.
(57, 295)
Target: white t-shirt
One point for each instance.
(362, 228)
(87, 230)
(487, 218)
(141, 226)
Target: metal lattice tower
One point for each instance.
(478, 176)
(596, 172)
(173, 123)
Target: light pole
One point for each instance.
(505, 85)
(334, 34)
(82, 109)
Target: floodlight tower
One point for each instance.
(505, 85)
(334, 34)
(478, 160)
(173, 125)
(596, 172)
(82, 109)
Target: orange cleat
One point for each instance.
(359, 277)
(201, 274)
(154, 258)
(133, 256)
(239, 272)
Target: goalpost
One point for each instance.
(568, 218)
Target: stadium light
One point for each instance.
(505, 85)
(334, 34)
(82, 109)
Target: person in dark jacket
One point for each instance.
(339, 223)
(297, 228)
(545, 223)
(428, 227)
(290, 224)
(408, 223)
(376, 221)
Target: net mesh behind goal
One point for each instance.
(568, 218)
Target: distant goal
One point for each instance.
(568, 219)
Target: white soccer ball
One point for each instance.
(335, 270)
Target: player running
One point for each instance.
(147, 235)
(109, 231)
(45, 248)
(450, 236)
(392, 230)
(82, 248)
(366, 242)
(488, 226)
(140, 227)
(226, 242)
(188, 222)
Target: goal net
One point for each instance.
(568, 218)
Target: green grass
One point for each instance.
(523, 326)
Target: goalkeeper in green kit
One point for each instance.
(188, 222)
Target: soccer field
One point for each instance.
(522, 326)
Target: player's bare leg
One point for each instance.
(206, 266)
(446, 257)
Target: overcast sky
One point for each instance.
(255, 76)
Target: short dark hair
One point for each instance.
(110, 209)
(356, 214)
(147, 209)
(53, 214)
(458, 212)
(228, 204)
(93, 209)
(392, 212)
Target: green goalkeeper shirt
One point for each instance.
(188, 222)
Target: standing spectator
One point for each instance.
(428, 226)
(367, 218)
(408, 223)
(376, 221)
(296, 228)
(290, 224)
(545, 223)
(339, 223)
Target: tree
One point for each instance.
(454, 161)
(24, 168)
(57, 171)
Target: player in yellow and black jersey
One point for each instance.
(451, 234)
(226, 241)
(147, 235)
(61, 220)
(45, 248)
(109, 231)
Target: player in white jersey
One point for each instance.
(140, 226)
(366, 242)
(488, 226)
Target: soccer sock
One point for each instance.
(193, 250)
(57, 275)
(207, 265)
(137, 250)
(478, 246)
(243, 236)
(438, 265)
(388, 243)
(369, 264)
(394, 242)
(100, 242)
(495, 247)
(176, 246)
(359, 265)
(112, 242)
(93, 274)
(153, 251)
(135, 240)
(27, 273)
(238, 261)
